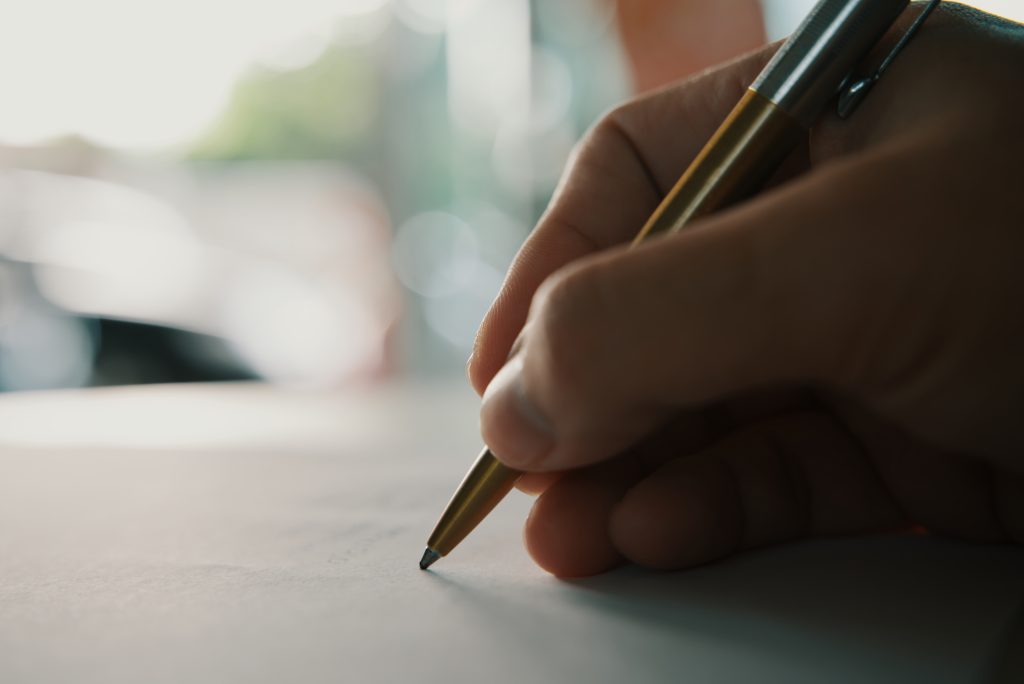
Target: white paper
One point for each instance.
(243, 534)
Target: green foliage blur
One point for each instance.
(323, 111)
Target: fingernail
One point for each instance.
(516, 431)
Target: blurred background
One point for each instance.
(312, 192)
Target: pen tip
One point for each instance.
(429, 558)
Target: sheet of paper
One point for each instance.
(245, 534)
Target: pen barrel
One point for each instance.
(745, 150)
(812, 65)
(486, 484)
(761, 131)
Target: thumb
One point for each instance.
(794, 286)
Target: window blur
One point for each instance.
(305, 191)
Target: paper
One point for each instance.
(238, 533)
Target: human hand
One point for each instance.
(840, 354)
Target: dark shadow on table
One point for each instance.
(1008, 664)
(912, 600)
(940, 609)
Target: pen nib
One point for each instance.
(429, 558)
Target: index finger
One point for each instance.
(617, 176)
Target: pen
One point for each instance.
(813, 66)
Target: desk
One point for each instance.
(240, 533)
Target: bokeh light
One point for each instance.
(305, 191)
(148, 73)
(436, 254)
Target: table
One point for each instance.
(244, 533)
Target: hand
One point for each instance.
(843, 353)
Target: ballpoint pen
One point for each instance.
(810, 69)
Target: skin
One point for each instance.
(841, 354)
(667, 40)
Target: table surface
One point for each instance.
(241, 533)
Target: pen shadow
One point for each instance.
(896, 599)
(1008, 666)
(949, 610)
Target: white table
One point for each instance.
(239, 533)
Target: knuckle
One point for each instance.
(593, 139)
(594, 145)
(610, 131)
(610, 123)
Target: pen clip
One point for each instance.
(853, 93)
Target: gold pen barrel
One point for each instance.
(486, 483)
(749, 145)
(782, 103)
(760, 132)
